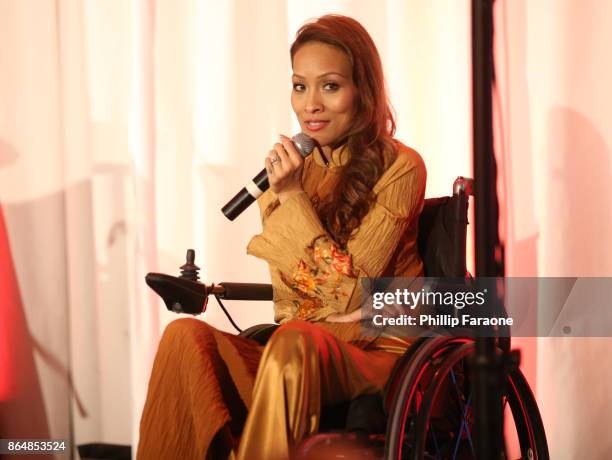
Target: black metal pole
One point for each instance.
(487, 364)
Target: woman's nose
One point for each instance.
(313, 102)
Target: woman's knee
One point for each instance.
(186, 329)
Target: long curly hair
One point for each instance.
(369, 138)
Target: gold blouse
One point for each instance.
(312, 277)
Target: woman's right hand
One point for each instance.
(284, 165)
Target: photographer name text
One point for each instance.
(380, 320)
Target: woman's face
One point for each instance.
(324, 95)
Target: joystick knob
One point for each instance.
(190, 270)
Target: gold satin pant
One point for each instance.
(217, 395)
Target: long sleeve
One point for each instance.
(312, 276)
(286, 300)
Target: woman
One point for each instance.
(350, 210)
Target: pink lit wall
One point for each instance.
(554, 142)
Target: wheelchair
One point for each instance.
(426, 409)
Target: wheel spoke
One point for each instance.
(435, 441)
(467, 427)
(463, 407)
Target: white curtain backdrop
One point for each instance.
(126, 125)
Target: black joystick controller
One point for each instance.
(190, 270)
(181, 294)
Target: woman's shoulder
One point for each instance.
(407, 163)
(406, 158)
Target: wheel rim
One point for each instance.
(411, 373)
(415, 434)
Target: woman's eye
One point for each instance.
(331, 86)
(298, 87)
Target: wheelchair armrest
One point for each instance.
(182, 295)
(246, 291)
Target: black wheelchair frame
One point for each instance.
(427, 403)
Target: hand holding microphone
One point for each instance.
(284, 166)
(283, 172)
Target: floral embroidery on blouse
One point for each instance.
(307, 279)
(331, 268)
(306, 308)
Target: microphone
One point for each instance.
(252, 190)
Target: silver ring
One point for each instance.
(276, 159)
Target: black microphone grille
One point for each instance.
(305, 144)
